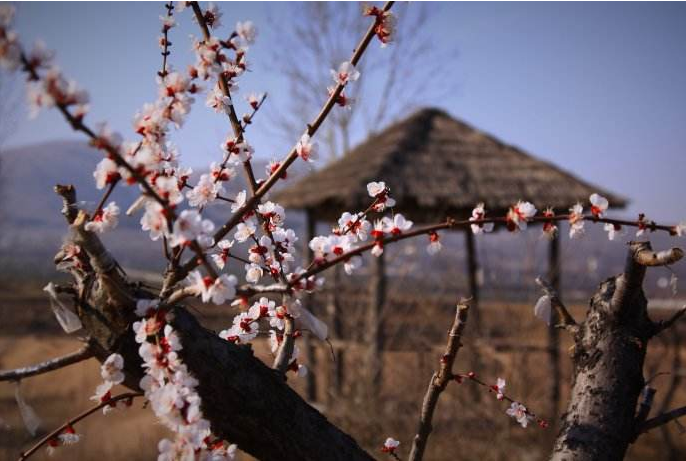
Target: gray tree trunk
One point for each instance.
(608, 356)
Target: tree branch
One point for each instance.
(76, 419)
(439, 381)
(49, 365)
(663, 419)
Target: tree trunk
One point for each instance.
(608, 355)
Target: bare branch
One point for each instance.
(49, 365)
(645, 404)
(76, 419)
(662, 325)
(664, 418)
(439, 381)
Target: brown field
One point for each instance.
(469, 424)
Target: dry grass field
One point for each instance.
(469, 424)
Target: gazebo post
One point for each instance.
(472, 267)
(374, 333)
(308, 344)
(553, 333)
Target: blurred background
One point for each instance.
(595, 89)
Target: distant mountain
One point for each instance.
(31, 226)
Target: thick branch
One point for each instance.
(49, 365)
(438, 383)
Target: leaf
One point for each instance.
(543, 309)
(28, 415)
(69, 321)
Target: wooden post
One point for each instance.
(374, 332)
(472, 267)
(553, 333)
(308, 343)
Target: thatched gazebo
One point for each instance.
(437, 166)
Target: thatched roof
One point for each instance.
(437, 166)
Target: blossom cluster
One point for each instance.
(171, 389)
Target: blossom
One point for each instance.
(217, 290)
(223, 253)
(351, 264)
(613, 230)
(221, 172)
(69, 436)
(106, 172)
(239, 201)
(190, 226)
(355, 224)
(390, 445)
(306, 149)
(499, 388)
(167, 22)
(680, 229)
(346, 72)
(384, 26)
(223, 288)
(212, 15)
(204, 192)
(397, 225)
(247, 31)
(110, 370)
(216, 99)
(434, 245)
(598, 205)
(154, 220)
(244, 230)
(376, 188)
(478, 213)
(549, 227)
(379, 192)
(105, 219)
(576, 221)
(518, 215)
(520, 413)
(253, 273)
(273, 212)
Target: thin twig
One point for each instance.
(439, 381)
(76, 419)
(49, 365)
(292, 155)
(664, 418)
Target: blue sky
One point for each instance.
(597, 88)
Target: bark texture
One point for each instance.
(608, 356)
(246, 402)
